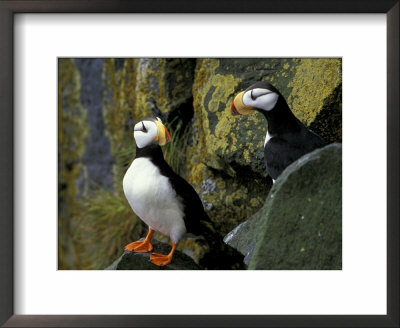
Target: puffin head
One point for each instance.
(261, 96)
(151, 131)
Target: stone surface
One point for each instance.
(97, 160)
(227, 152)
(222, 154)
(72, 135)
(141, 261)
(300, 224)
(243, 237)
(135, 88)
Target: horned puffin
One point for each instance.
(160, 197)
(287, 138)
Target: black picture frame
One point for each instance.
(11, 7)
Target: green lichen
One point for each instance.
(300, 225)
(118, 103)
(72, 133)
(72, 129)
(163, 83)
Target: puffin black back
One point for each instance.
(287, 138)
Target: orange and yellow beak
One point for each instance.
(163, 136)
(239, 108)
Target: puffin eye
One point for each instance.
(144, 128)
(251, 95)
(258, 92)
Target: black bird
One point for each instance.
(166, 202)
(287, 138)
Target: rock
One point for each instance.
(141, 261)
(227, 151)
(72, 135)
(218, 257)
(97, 158)
(220, 155)
(209, 251)
(243, 237)
(300, 225)
(135, 88)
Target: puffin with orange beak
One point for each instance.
(165, 201)
(287, 138)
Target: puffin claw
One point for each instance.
(160, 259)
(139, 247)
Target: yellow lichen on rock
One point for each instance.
(246, 155)
(141, 87)
(149, 85)
(217, 141)
(197, 150)
(221, 155)
(187, 245)
(119, 99)
(315, 79)
(72, 133)
(72, 130)
(213, 93)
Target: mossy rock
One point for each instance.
(227, 151)
(135, 88)
(300, 224)
(224, 156)
(72, 134)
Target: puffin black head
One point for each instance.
(261, 96)
(151, 131)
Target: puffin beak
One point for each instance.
(168, 137)
(239, 108)
(234, 111)
(163, 135)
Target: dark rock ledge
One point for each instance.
(141, 261)
(300, 225)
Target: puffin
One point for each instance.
(163, 200)
(287, 139)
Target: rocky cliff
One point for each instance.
(300, 224)
(221, 156)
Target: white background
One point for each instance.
(360, 288)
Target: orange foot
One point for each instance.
(161, 259)
(139, 246)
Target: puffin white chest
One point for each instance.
(153, 199)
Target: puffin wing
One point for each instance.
(281, 151)
(193, 207)
(278, 154)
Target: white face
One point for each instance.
(263, 99)
(145, 133)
